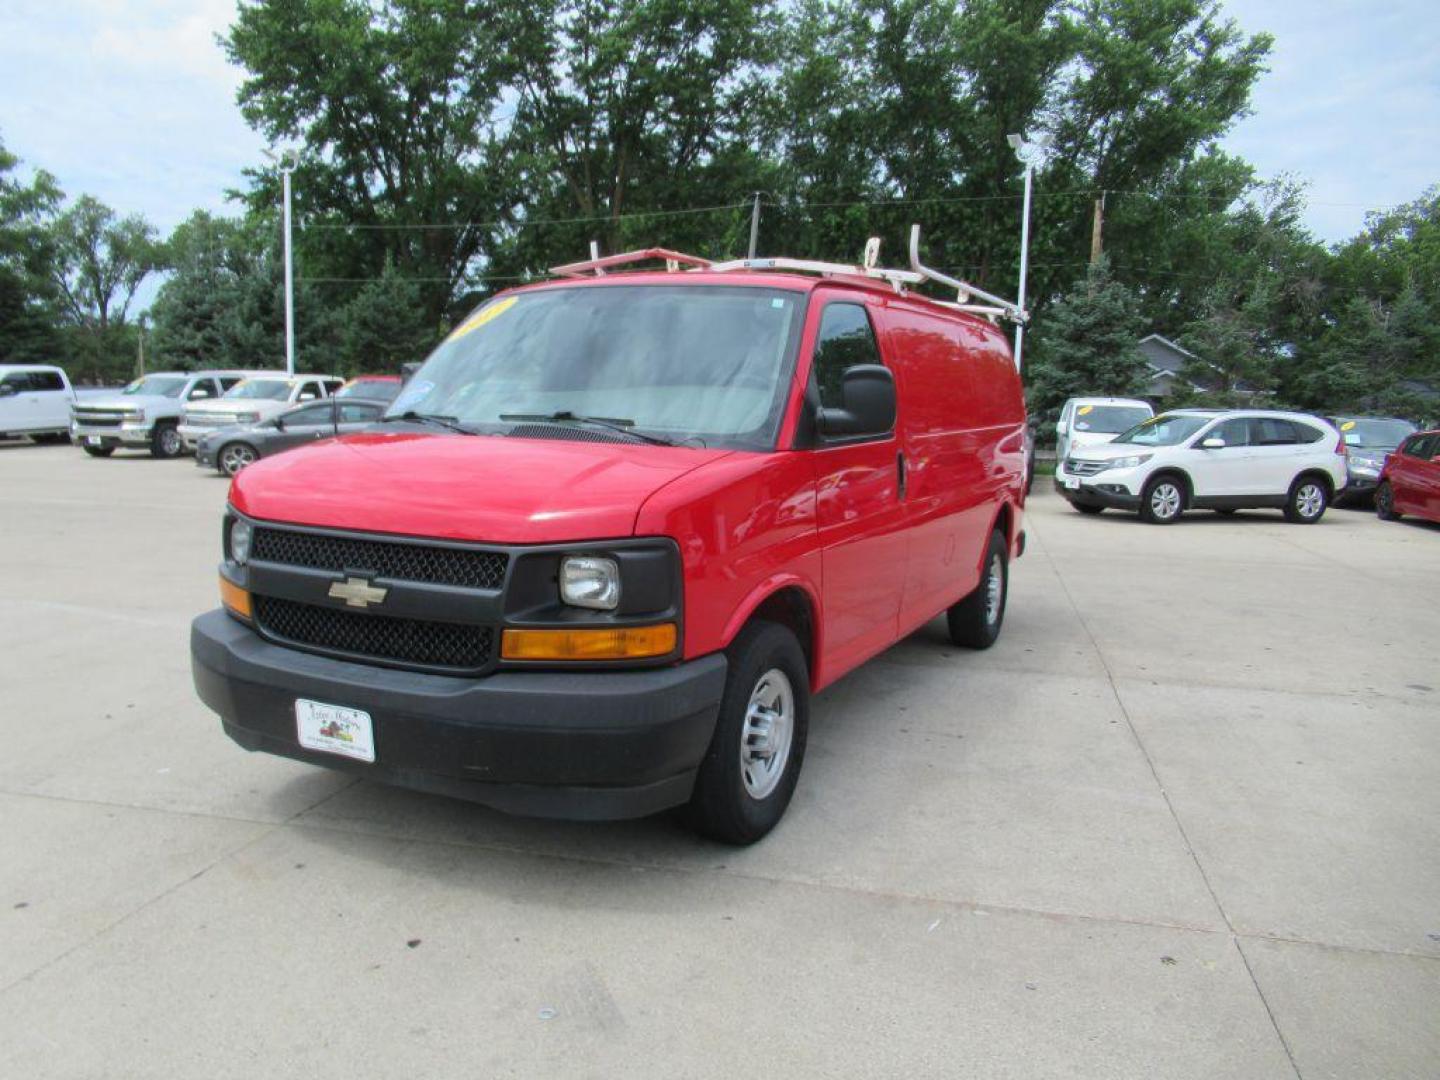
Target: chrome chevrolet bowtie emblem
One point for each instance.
(357, 592)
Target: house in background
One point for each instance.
(1167, 370)
(1167, 362)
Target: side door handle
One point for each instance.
(900, 473)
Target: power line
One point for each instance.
(531, 222)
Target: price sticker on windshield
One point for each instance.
(1086, 410)
(1349, 425)
(483, 316)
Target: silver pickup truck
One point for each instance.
(146, 414)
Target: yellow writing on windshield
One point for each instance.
(483, 316)
(1086, 410)
(1349, 425)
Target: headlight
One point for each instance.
(1131, 462)
(1364, 465)
(240, 536)
(590, 581)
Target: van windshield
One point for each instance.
(1108, 419)
(687, 363)
(1164, 430)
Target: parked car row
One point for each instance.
(1235, 459)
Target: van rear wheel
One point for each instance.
(750, 771)
(975, 621)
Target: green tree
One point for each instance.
(385, 326)
(1088, 343)
(393, 103)
(29, 316)
(100, 262)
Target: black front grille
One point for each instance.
(375, 637)
(464, 567)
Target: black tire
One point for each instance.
(722, 806)
(232, 457)
(1308, 498)
(975, 621)
(1163, 500)
(1385, 502)
(1088, 508)
(165, 442)
(99, 451)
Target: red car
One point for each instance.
(622, 527)
(1410, 480)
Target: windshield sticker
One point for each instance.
(1086, 410)
(483, 316)
(1349, 425)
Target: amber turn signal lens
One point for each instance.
(234, 598)
(616, 643)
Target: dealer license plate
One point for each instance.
(1072, 483)
(334, 729)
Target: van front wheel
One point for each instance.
(975, 621)
(749, 772)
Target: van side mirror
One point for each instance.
(1213, 443)
(1060, 427)
(867, 393)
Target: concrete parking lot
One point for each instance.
(1183, 821)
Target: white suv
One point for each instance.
(1200, 459)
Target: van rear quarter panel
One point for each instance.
(745, 526)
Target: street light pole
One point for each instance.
(286, 161)
(1027, 152)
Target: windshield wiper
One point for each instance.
(623, 427)
(447, 422)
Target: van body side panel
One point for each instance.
(739, 522)
(964, 435)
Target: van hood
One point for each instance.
(482, 488)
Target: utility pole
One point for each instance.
(140, 348)
(1096, 229)
(755, 225)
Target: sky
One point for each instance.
(135, 103)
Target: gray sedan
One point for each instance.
(231, 449)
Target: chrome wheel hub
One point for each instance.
(1310, 500)
(994, 590)
(170, 441)
(235, 458)
(768, 733)
(1165, 501)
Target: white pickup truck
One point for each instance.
(259, 397)
(35, 400)
(146, 414)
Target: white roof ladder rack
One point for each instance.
(991, 307)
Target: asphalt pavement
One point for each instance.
(1182, 821)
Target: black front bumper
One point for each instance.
(1091, 494)
(584, 745)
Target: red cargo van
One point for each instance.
(618, 530)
